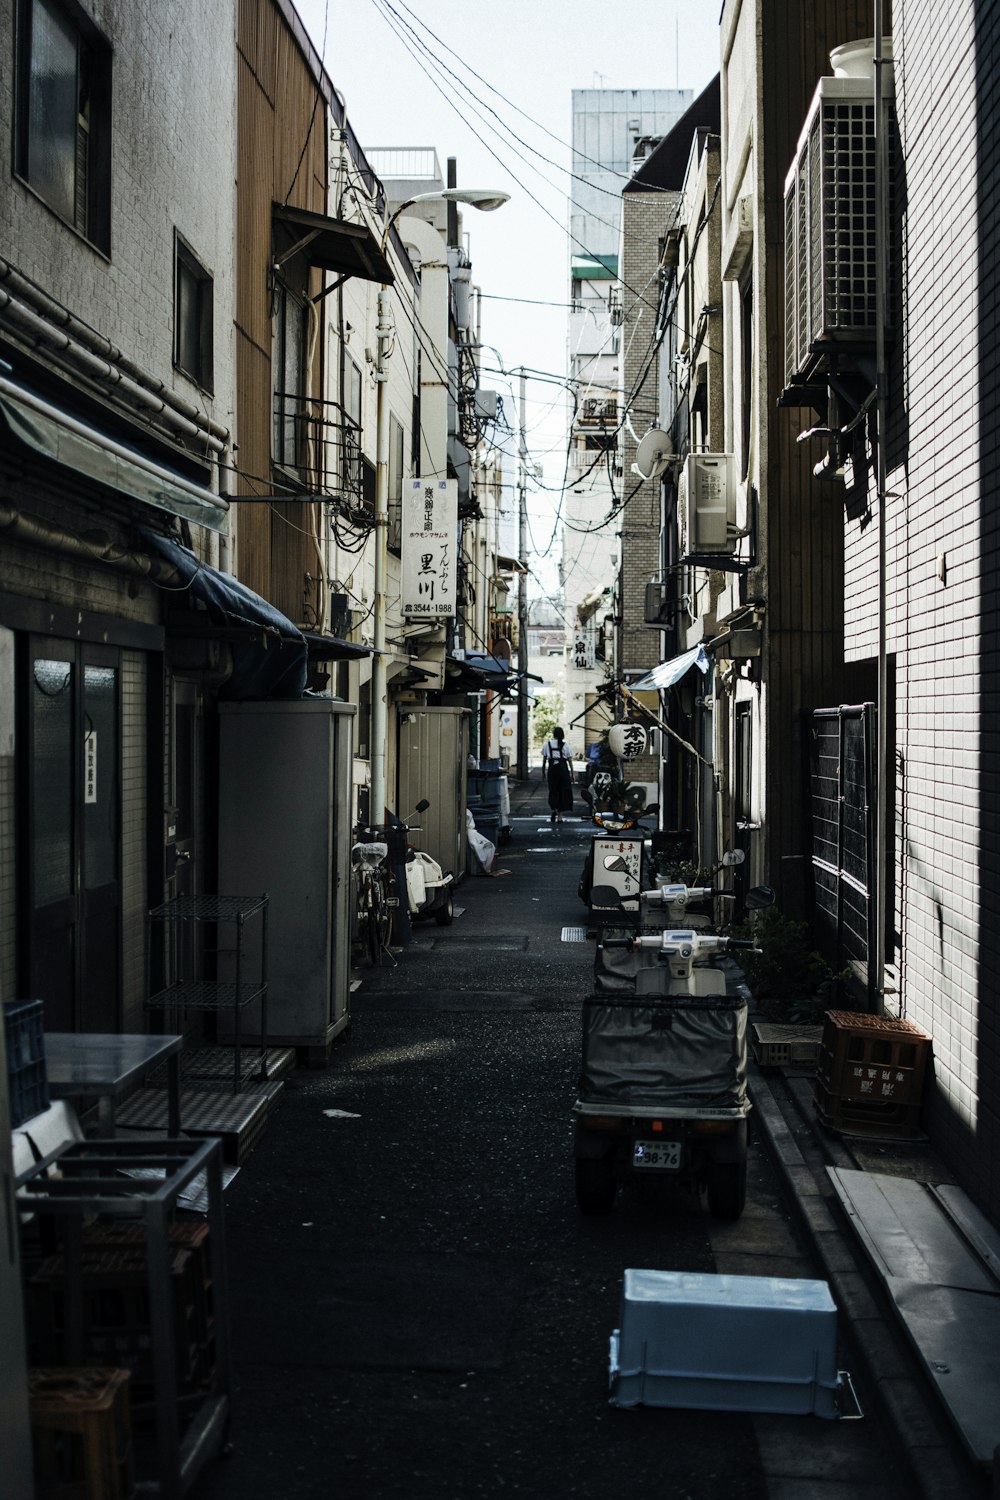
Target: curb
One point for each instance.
(936, 1471)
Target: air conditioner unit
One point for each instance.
(706, 504)
(664, 599)
(830, 215)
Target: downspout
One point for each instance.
(876, 980)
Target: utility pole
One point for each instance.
(522, 585)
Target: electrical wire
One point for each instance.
(537, 201)
(537, 123)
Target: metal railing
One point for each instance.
(320, 444)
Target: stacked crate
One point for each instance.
(871, 1074)
(27, 1077)
(117, 1329)
(81, 1434)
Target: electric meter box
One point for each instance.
(707, 503)
(726, 1343)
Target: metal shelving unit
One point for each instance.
(231, 996)
(142, 1182)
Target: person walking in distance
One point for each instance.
(557, 766)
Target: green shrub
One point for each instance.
(789, 979)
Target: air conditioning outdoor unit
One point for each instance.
(830, 214)
(706, 504)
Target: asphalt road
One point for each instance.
(418, 1308)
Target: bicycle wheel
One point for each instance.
(379, 921)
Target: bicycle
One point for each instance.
(372, 908)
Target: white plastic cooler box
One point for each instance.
(726, 1343)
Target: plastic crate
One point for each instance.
(776, 1046)
(116, 1314)
(81, 1434)
(27, 1079)
(873, 1059)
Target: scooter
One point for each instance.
(428, 886)
(663, 1077)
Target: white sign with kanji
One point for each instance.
(428, 546)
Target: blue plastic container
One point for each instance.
(27, 1079)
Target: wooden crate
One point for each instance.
(81, 1434)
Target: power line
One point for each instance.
(625, 176)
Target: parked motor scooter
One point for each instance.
(663, 1077)
(428, 886)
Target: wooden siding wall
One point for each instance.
(279, 110)
(805, 516)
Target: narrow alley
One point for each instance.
(419, 1309)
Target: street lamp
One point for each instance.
(485, 199)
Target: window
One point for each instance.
(396, 448)
(289, 377)
(193, 317)
(62, 142)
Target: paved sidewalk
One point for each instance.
(803, 1151)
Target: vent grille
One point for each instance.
(830, 225)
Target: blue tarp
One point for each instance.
(269, 652)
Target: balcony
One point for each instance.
(597, 412)
(317, 446)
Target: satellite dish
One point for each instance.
(653, 454)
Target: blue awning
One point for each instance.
(668, 673)
(270, 654)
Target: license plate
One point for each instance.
(663, 1156)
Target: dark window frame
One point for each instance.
(201, 367)
(87, 209)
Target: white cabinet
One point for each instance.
(285, 828)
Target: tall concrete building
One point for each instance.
(612, 131)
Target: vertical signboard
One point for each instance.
(428, 542)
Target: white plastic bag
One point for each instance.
(481, 848)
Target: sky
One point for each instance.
(529, 55)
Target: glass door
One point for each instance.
(72, 774)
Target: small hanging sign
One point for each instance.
(429, 536)
(90, 766)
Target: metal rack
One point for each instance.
(231, 996)
(141, 1181)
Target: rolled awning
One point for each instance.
(74, 444)
(270, 655)
(668, 673)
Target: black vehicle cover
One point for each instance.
(678, 1052)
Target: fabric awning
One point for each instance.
(63, 438)
(270, 655)
(476, 670)
(331, 244)
(334, 647)
(594, 267)
(668, 673)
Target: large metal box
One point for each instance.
(433, 757)
(285, 828)
(725, 1343)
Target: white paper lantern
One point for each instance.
(627, 741)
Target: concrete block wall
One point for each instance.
(173, 167)
(942, 557)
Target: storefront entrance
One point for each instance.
(70, 778)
